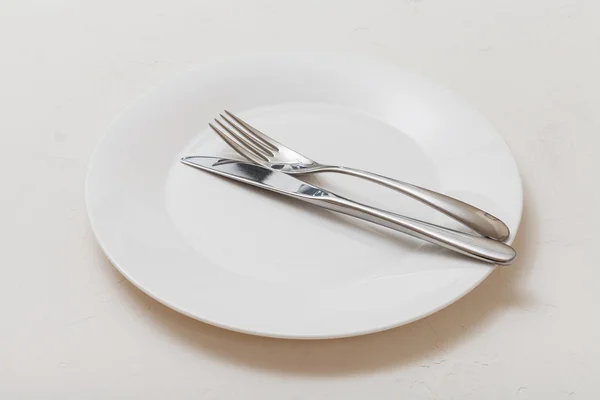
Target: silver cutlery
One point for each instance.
(475, 246)
(261, 149)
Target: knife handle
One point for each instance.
(478, 247)
(473, 217)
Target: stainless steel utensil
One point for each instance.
(475, 246)
(263, 150)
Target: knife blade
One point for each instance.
(255, 175)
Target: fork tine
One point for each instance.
(256, 133)
(250, 137)
(243, 141)
(237, 147)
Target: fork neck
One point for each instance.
(329, 168)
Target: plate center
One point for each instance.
(264, 236)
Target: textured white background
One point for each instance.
(71, 327)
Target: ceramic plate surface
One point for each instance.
(251, 261)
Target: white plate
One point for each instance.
(250, 261)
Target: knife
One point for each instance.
(478, 247)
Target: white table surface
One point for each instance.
(72, 327)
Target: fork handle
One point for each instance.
(475, 246)
(473, 217)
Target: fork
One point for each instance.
(261, 149)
